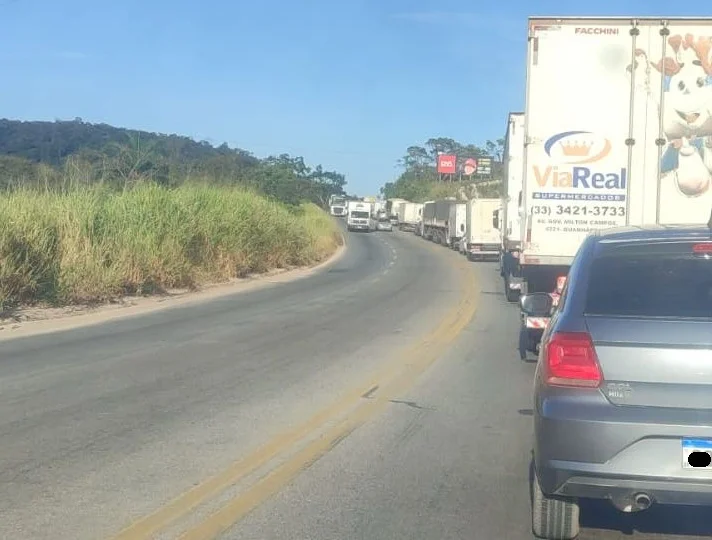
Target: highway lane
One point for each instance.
(448, 460)
(103, 425)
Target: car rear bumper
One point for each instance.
(568, 480)
(586, 447)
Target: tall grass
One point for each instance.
(93, 244)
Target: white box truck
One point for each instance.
(618, 132)
(456, 224)
(337, 205)
(481, 238)
(427, 210)
(360, 216)
(409, 214)
(392, 209)
(508, 220)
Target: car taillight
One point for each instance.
(571, 361)
(703, 248)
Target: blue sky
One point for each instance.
(346, 83)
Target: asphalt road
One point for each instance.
(380, 399)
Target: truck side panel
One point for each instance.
(673, 102)
(513, 180)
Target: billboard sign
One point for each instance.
(447, 164)
(484, 166)
(469, 167)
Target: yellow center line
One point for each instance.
(237, 508)
(147, 526)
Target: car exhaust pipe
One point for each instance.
(642, 501)
(632, 502)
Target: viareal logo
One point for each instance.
(577, 155)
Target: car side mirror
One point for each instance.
(536, 304)
(495, 219)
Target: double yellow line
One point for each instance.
(354, 409)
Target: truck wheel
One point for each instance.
(553, 518)
(512, 295)
(523, 343)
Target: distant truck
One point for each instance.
(392, 209)
(337, 206)
(481, 239)
(456, 224)
(379, 206)
(508, 218)
(428, 206)
(409, 215)
(632, 146)
(436, 217)
(360, 217)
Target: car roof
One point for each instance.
(653, 233)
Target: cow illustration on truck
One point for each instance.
(685, 75)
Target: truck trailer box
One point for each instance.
(429, 213)
(481, 240)
(442, 212)
(509, 217)
(457, 222)
(409, 214)
(630, 145)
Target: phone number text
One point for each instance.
(569, 210)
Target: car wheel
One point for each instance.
(553, 518)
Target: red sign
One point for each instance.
(447, 164)
(470, 166)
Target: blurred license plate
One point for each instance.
(694, 445)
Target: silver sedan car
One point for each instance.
(623, 385)
(384, 225)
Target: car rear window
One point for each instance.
(669, 282)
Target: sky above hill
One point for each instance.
(349, 84)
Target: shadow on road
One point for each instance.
(665, 520)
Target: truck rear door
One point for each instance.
(577, 123)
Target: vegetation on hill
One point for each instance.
(90, 213)
(60, 155)
(419, 180)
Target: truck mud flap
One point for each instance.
(537, 322)
(515, 284)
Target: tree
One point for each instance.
(495, 149)
(419, 180)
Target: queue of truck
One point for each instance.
(608, 169)
(574, 161)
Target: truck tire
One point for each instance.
(511, 295)
(523, 343)
(553, 518)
